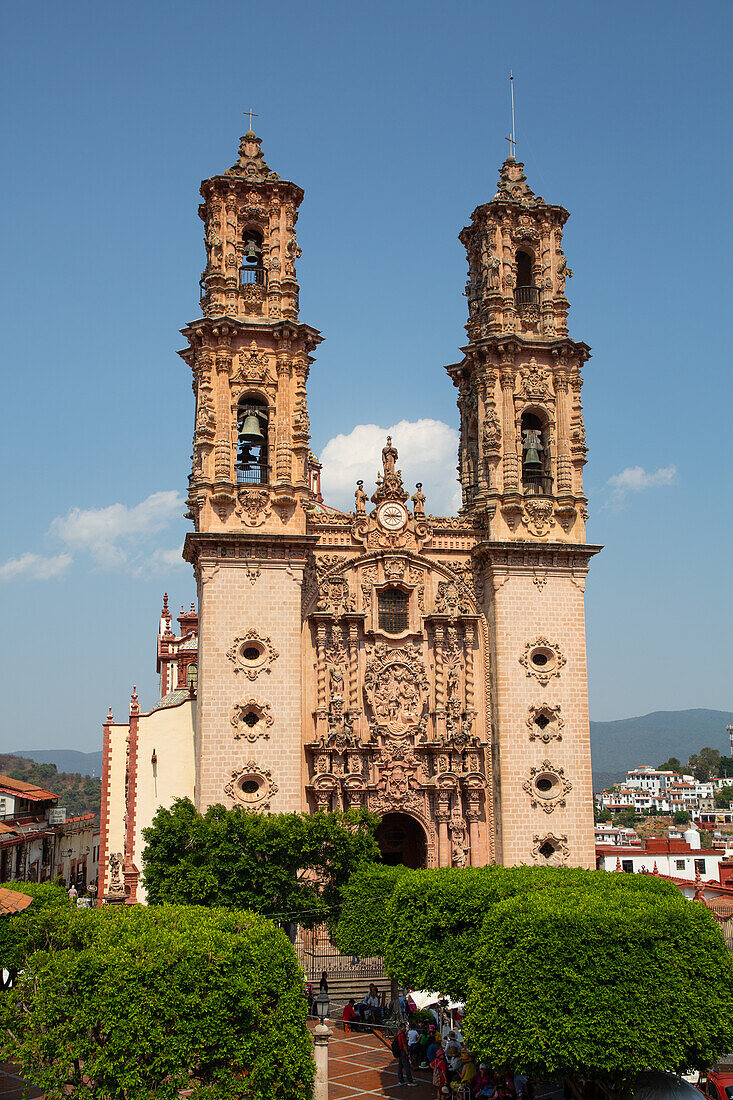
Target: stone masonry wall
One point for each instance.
(547, 609)
(232, 603)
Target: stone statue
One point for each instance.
(116, 881)
(389, 457)
(418, 501)
(459, 842)
(360, 498)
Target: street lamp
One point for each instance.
(321, 1035)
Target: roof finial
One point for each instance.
(252, 114)
(512, 142)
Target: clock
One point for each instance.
(392, 515)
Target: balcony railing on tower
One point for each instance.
(526, 296)
(536, 484)
(252, 275)
(253, 473)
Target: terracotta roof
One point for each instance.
(24, 790)
(13, 902)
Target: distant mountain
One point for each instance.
(66, 760)
(79, 794)
(619, 746)
(616, 746)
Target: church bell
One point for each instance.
(251, 432)
(251, 252)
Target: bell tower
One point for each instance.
(521, 457)
(522, 447)
(251, 477)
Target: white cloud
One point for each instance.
(112, 535)
(428, 451)
(33, 567)
(160, 561)
(635, 479)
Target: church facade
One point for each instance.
(429, 668)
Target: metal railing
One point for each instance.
(249, 275)
(526, 296)
(253, 474)
(536, 484)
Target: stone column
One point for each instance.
(438, 642)
(442, 816)
(564, 469)
(511, 482)
(283, 451)
(321, 703)
(473, 813)
(321, 1035)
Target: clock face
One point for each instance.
(392, 516)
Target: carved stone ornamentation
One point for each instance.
(334, 596)
(115, 882)
(449, 600)
(396, 690)
(542, 659)
(252, 366)
(397, 767)
(547, 786)
(458, 841)
(491, 433)
(251, 720)
(367, 580)
(253, 506)
(251, 786)
(535, 381)
(252, 653)
(544, 723)
(550, 848)
(537, 515)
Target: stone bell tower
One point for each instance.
(522, 452)
(252, 473)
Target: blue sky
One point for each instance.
(392, 116)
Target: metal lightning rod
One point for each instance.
(513, 143)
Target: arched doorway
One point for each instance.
(401, 839)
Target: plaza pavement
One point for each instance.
(361, 1067)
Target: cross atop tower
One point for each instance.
(252, 114)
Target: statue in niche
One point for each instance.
(336, 681)
(389, 457)
(459, 842)
(360, 498)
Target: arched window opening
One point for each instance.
(252, 269)
(536, 479)
(252, 419)
(525, 293)
(192, 677)
(393, 606)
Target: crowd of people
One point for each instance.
(455, 1071)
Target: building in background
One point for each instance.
(37, 841)
(429, 668)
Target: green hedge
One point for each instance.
(600, 982)
(132, 1002)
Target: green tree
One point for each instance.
(292, 866)
(681, 817)
(429, 932)
(705, 763)
(724, 796)
(600, 984)
(725, 770)
(364, 919)
(132, 1002)
(626, 818)
(672, 765)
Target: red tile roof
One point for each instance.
(24, 790)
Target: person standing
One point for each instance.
(403, 1058)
